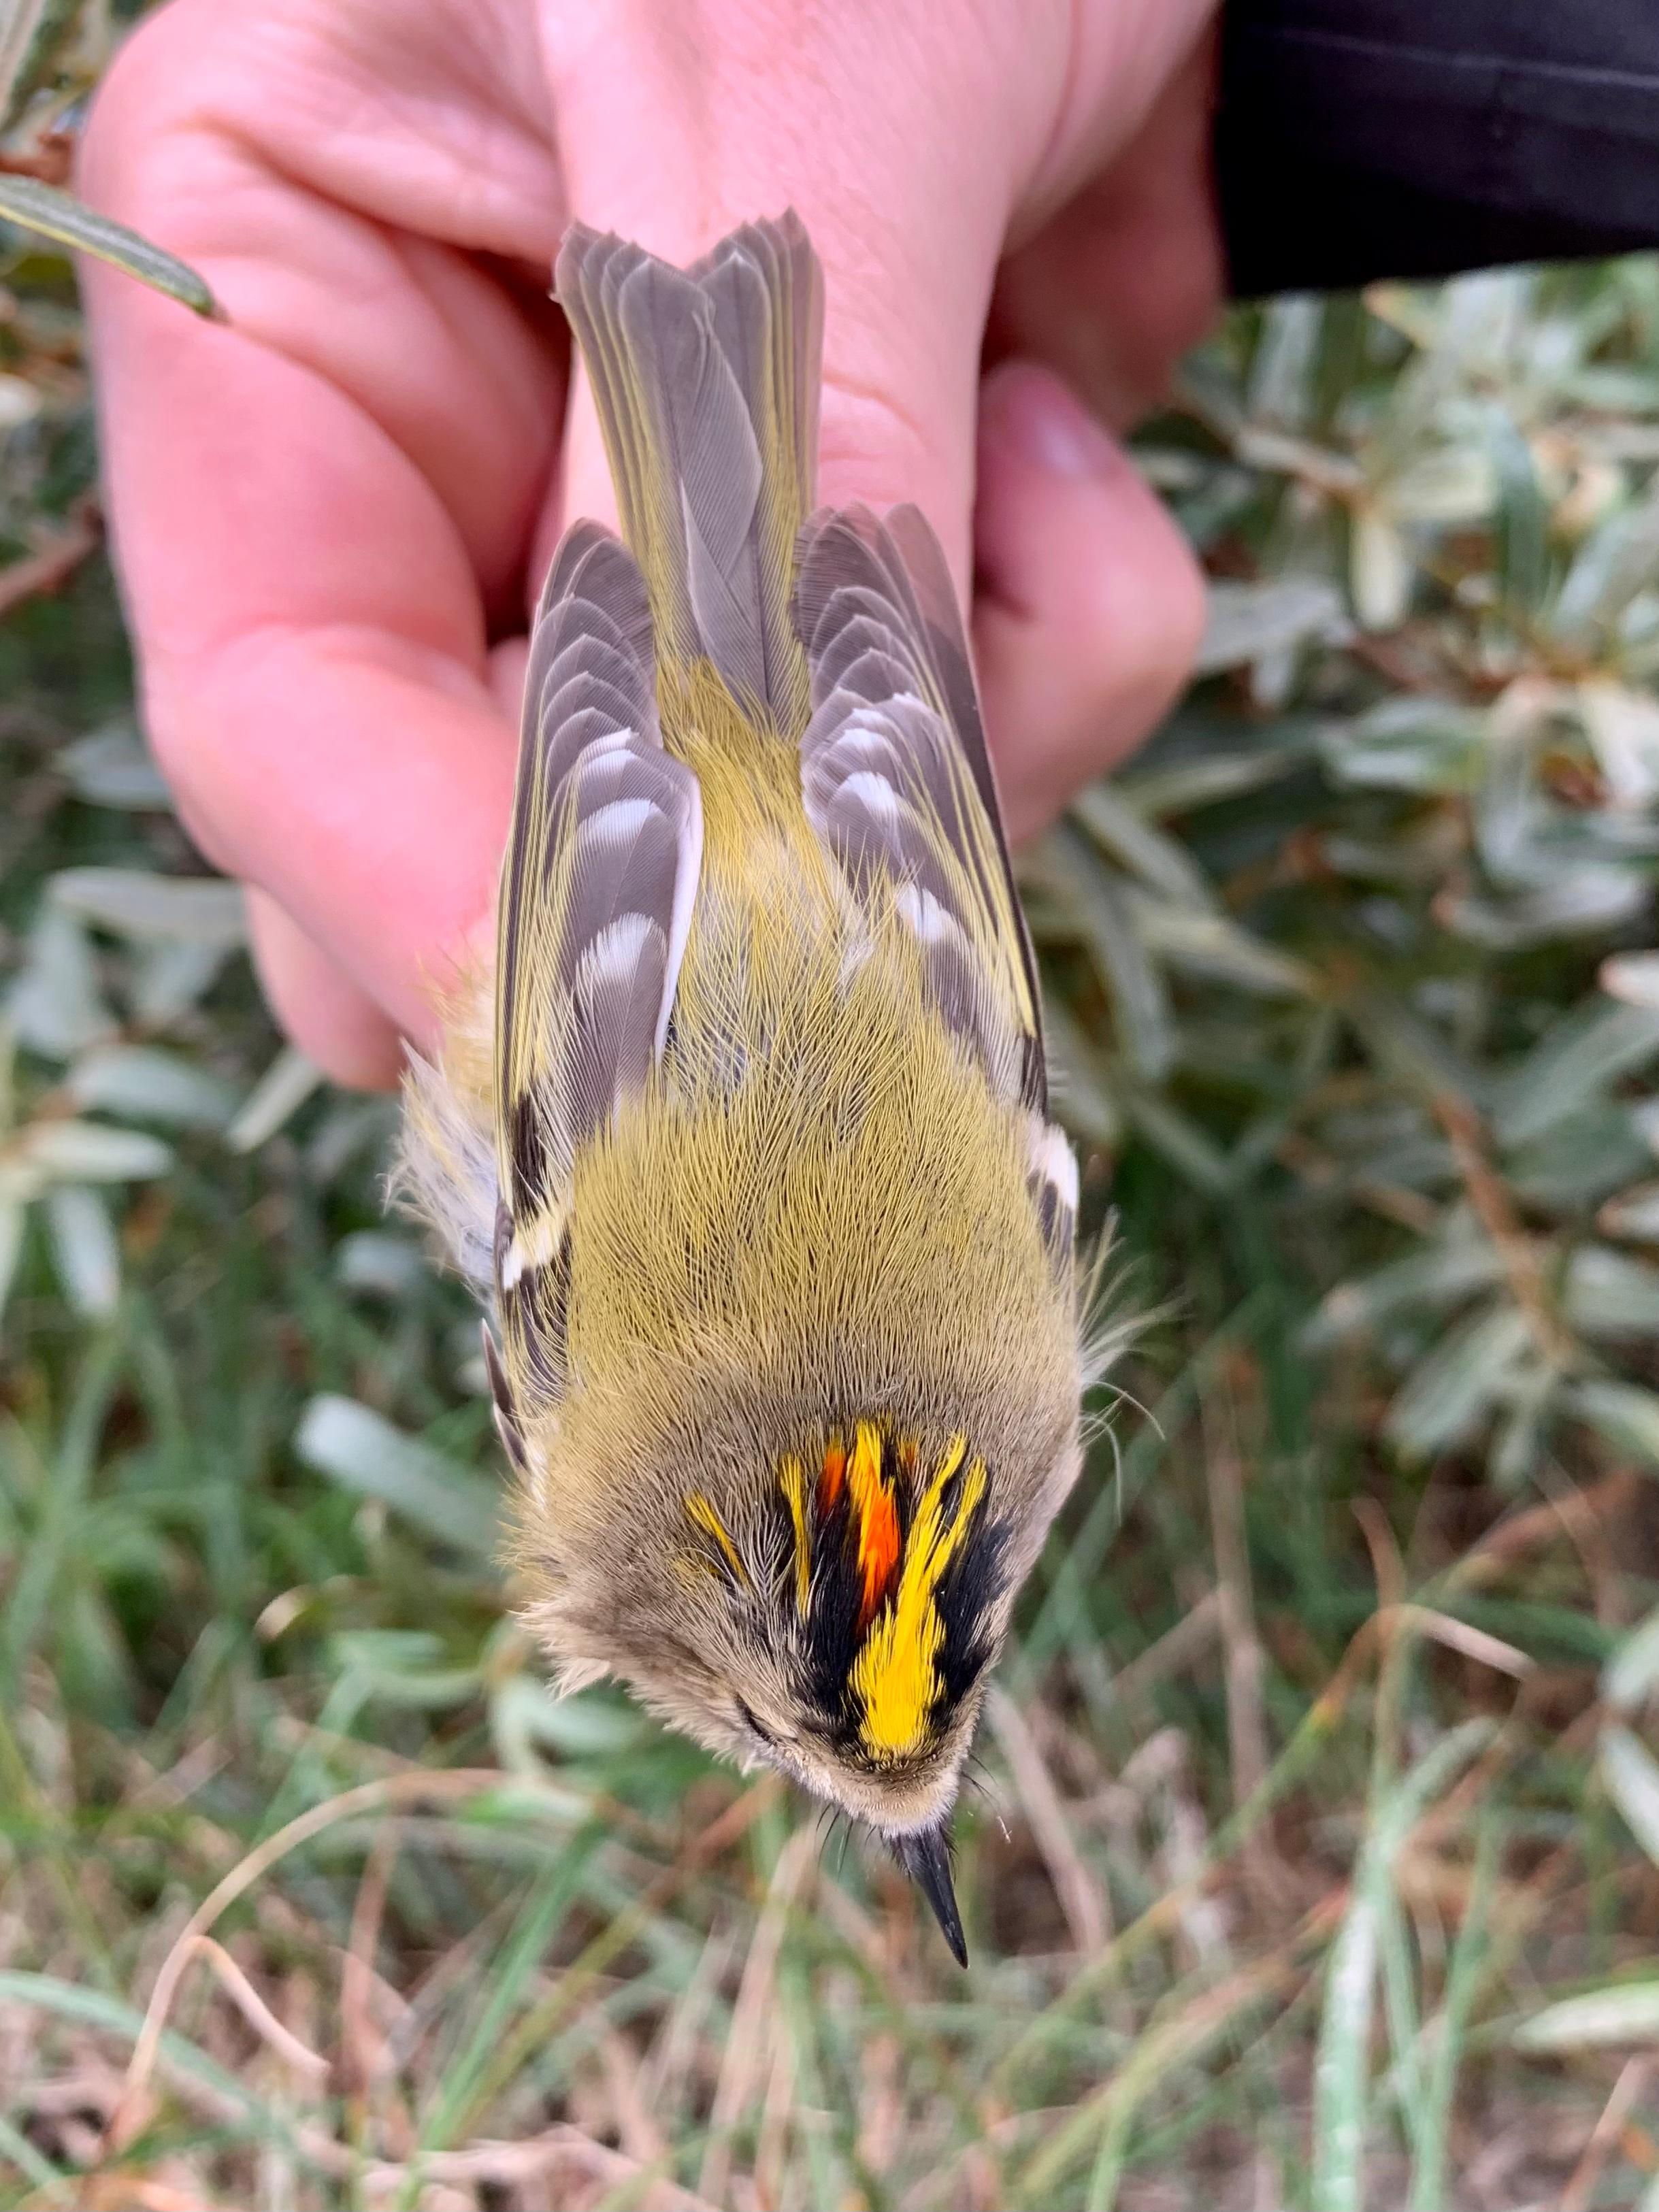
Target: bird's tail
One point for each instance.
(706, 380)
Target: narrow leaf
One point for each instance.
(131, 903)
(88, 1258)
(55, 1006)
(1624, 2012)
(13, 1217)
(111, 768)
(1633, 1780)
(1124, 835)
(274, 1099)
(1251, 621)
(1632, 1676)
(1098, 908)
(1611, 1294)
(1446, 1396)
(90, 1151)
(1627, 1415)
(68, 221)
(1578, 1056)
(362, 1451)
(150, 1085)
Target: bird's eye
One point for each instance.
(764, 1734)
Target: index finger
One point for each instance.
(316, 510)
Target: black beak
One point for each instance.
(925, 1857)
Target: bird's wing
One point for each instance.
(897, 782)
(596, 891)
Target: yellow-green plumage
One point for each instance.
(780, 1234)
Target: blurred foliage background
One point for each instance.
(1312, 1857)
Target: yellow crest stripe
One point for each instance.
(702, 1514)
(896, 1675)
(792, 1480)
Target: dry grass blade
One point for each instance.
(1083, 1896)
(1246, 1733)
(257, 2013)
(746, 2055)
(393, 1791)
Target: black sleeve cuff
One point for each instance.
(1356, 139)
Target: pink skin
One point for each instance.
(331, 517)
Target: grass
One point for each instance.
(1311, 1857)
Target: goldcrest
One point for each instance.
(748, 1150)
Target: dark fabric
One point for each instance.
(1363, 139)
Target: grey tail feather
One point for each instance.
(706, 380)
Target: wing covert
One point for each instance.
(596, 891)
(897, 782)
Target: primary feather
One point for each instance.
(779, 1234)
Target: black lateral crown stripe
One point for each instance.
(967, 1592)
(832, 1621)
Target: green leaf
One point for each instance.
(358, 1449)
(111, 768)
(1406, 744)
(373, 1260)
(1615, 562)
(66, 220)
(1633, 1780)
(1623, 2012)
(1341, 2070)
(1578, 1056)
(13, 1216)
(1098, 907)
(147, 1085)
(1624, 1415)
(1253, 622)
(133, 903)
(274, 1100)
(1211, 945)
(1125, 837)
(1632, 1676)
(1609, 1294)
(1423, 1282)
(33, 35)
(88, 1258)
(55, 1006)
(1522, 515)
(88, 1151)
(1447, 1394)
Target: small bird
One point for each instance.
(749, 1150)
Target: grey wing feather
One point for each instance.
(710, 455)
(896, 779)
(706, 384)
(595, 895)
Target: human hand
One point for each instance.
(331, 517)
